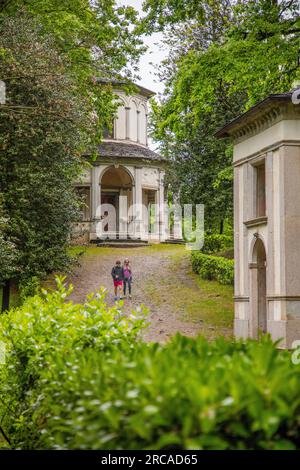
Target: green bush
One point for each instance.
(217, 243)
(47, 329)
(213, 267)
(187, 394)
(79, 377)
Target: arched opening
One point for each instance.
(116, 178)
(116, 198)
(259, 289)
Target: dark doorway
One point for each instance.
(262, 288)
(111, 199)
(259, 289)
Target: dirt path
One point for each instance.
(163, 282)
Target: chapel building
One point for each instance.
(124, 190)
(266, 161)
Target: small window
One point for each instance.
(84, 198)
(138, 125)
(260, 190)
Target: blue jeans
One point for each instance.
(125, 282)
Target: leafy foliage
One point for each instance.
(213, 267)
(98, 40)
(217, 243)
(43, 127)
(51, 54)
(162, 12)
(46, 331)
(77, 377)
(222, 61)
(8, 252)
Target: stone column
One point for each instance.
(123, 214)
(253, 320)
(177, 218)
(161, 207)
(96, 201)
(146, 117)
(138, 202)
(127, 123)
(157, 217)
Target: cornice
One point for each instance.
(261, 123)
(260, 117)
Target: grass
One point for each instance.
(93, 249)
(215, 303)
(196, 300)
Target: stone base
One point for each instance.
(286, 331)
(293, 332)
(241, 328)
(93, 237)
(277, 330)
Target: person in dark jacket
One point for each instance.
(117, 273)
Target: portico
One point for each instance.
(123, 190)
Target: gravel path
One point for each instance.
(156, 273)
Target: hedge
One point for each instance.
(80, 377)
(213, 267)
(217, 243)
(43, 332)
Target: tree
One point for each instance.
(219, 66)
(51, 53)
(8, 260)
(95, 36)
(44, 127)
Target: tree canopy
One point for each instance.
(221, 62)
(50, 56)
(97, 38)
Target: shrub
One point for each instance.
(47, 329)
(187, 394)
(213, 267)
(28, 287)
(78, 377)
(217, 243)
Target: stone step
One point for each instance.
(122, 243)
(171, 241)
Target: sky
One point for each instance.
(154, 55)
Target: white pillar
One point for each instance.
(138, 213)
(96, 200)
(161, 208)
(123, 214)
(127, 123)
(177, 218)
(156, 234)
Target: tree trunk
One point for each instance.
(5, 296)
(222, 227)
